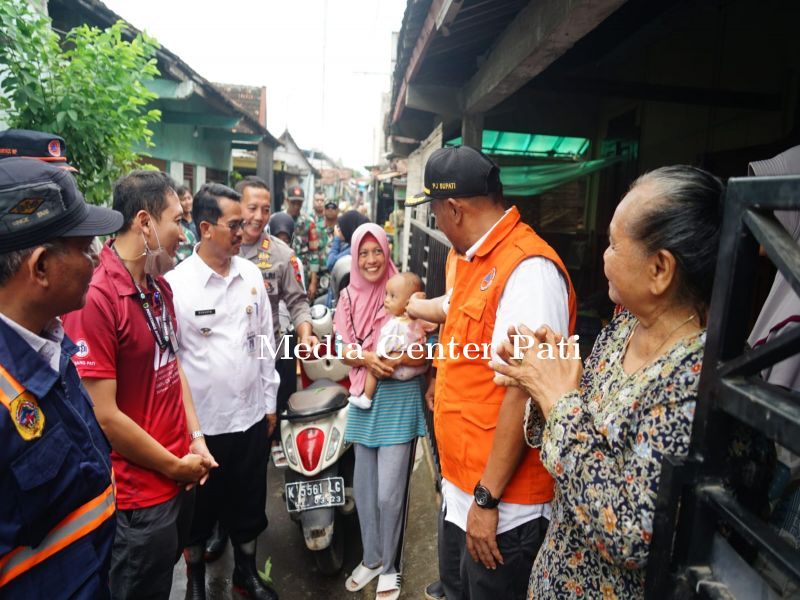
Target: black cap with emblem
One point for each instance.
(40, 202)
(457, 172)
(26, 143)
(295, 193)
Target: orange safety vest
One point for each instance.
(467, 400)
(77, 524)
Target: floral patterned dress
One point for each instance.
(603, 445)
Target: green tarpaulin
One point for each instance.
(511, 143)
(536, 179)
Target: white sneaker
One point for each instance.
(361, 402)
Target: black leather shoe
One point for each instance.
(195, 580)
(215, 545)
(246, 580)
(434, 591)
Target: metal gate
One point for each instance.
(689, 556)
(427, 255)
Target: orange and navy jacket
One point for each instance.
(57, 511)
(467, 399)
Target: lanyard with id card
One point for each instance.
(251, 334)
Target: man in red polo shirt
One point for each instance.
(126, 338)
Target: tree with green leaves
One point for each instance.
(88, 88)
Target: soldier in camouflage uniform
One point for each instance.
(319, 211)
(306, 239)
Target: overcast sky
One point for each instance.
(281, 44)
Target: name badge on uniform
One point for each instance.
(251, 342)
(203, 313)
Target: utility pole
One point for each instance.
(324, 63)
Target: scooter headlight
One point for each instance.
(333, 445)
(288, 448)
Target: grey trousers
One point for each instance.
(148, 543)
(379, 486)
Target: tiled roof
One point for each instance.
(251, 99)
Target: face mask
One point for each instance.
(159, 261)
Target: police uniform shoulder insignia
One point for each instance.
(27, 416)
(488, 279)
(296, 267)
(263, 255)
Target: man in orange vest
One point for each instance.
(57, 514)
(496, 495)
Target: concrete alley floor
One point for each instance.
(294, 572)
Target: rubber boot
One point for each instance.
(215, 545)
(195, 573)
(246, 579)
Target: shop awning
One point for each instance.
(511, 143)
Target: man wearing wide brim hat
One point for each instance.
(56, 518)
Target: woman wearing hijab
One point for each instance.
(338, 261)
(781, 311)
(383, 436)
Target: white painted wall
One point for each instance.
(176, 171)
(199, 177)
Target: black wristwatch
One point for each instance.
(484, 498)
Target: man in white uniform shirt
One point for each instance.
(223, 312)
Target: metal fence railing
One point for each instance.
(427, 255)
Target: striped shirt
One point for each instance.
(396, 415)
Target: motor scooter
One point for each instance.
(318, 476)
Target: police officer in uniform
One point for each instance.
(277, 261)
(56, 517)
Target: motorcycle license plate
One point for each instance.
(305, 495)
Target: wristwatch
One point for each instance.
(197, 435)
(483, 497)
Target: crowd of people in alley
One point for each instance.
(140, 412)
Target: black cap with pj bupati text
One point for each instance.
(457, 172)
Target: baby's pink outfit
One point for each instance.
(397, 335)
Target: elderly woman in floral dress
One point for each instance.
(604, 428)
